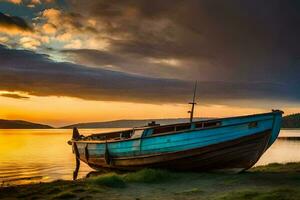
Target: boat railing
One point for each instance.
(110, 136)
(165, 129)
(156, 130)
(207, 124)
(185, 127)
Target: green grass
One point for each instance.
(274, 181)
(143, 176)
(65, 195)
(148, 176)
(276, 167)
(110, 180)
(54, 190)
(78, 190)
(280, 194)
(190, 191)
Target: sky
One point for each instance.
(69, 61)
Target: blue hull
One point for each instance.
(203, 145)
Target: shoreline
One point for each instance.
(273, 181)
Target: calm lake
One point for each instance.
(43, 155)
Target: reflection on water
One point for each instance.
(43, 155)
(38, 155)
(285, 149)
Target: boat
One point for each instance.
(232, 143)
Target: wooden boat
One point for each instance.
(234, 143)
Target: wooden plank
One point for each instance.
(240, 153)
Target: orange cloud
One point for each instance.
(35, 1)
(49, 28)
(74, 44)
(29, 43)
(13, 25)
(14, 1)
(13, 30)
(3, 39)
(64, 37)
(52, 15)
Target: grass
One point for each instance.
(273, 181)
(54, 190)
(65, 195)
(143, 176)
(110, 180)
(276, 167)
(149, 176)
(190, 191)
(78, 190)
(280, 194)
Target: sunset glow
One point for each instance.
(64, 110)
(64, 62)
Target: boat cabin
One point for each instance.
(153, 130)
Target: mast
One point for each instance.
(193, 104)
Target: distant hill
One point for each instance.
(127, 123)
(291, 121)
(19, 124)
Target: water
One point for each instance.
(285, 149)
(28, 156)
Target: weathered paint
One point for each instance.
(231, 129)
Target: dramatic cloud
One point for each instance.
(13, 24)
(14, 1)
(29, 43)
(15, 96)
(151, 51)
(29, 3)
(126, 62)
(38, 75)
(210, 39)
